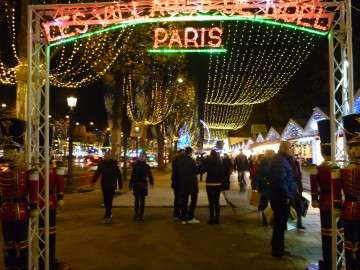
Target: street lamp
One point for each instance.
(71, 101)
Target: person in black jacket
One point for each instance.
(282, 190)
(187, 172)
(228, 167)
(299, 189)
(139, 184)
(214, 179)
(241, 165)
(110, 175)
(175, 185)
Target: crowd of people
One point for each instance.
(277, 177)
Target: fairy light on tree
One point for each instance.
(152, 76)
(180, 120)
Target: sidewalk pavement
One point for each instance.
(162, 242)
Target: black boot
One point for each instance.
(264, 222)
(299, 225)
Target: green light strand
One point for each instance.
(187, 51)
(191, 18)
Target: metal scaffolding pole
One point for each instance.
(341, 88)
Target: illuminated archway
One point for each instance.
(62, 23)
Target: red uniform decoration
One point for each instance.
(56, 193)
(347, 180)
(18, 194)
(320, 183)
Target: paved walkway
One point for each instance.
(161, 242)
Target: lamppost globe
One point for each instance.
(71, 101)
(72, 104)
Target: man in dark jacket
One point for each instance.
(110, 174)
(187, 175)
(175, 185)
(281, 192)
(140, 177)
(241, 165)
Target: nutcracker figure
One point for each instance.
(320, 184)
(56, 194)
(18, 194)
(347, 180)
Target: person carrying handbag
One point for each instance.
(262, 183)
(299, 189)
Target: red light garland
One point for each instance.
(305, 13)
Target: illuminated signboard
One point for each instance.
(76, 22)
(190, 37)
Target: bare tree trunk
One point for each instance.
(171, 150)
(117, 123)
(160, 143)
(142, 143)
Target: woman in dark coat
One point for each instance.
(214, 180)
(299, 189)
(140, 176)
(262, 182)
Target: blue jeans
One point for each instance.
(241, 180)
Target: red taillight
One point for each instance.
(89, 163)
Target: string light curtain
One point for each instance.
(261, 59)
(226, 116)
(218, 135)
(72, 64)
(77, 64)
(8, 55)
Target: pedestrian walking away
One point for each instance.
(241, 165)
(176, 186)
(110, 175)
(254, 168)
(299, 189)
(227, 164)
(187, 172)
(140, 177)
(262, 183)
(200, 159)
(214, 180)
(281, 192)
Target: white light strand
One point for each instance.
(261, 60)
(7, 74)
(226, 116)
(83, 67)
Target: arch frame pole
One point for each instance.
(38, 126)
(341, 93)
